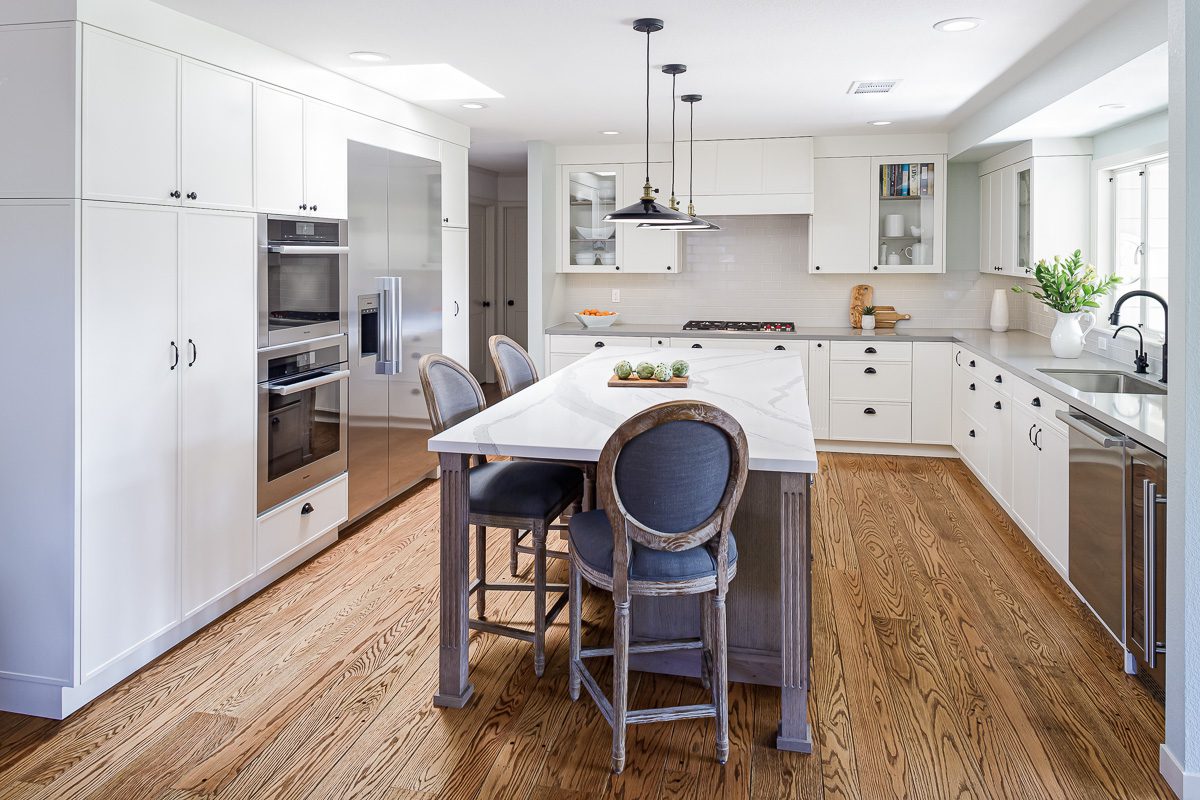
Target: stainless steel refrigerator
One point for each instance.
(395, 297)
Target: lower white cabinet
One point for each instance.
(455, 279)
(870, 421)
(1040, 469)
(932, 393)
(816, 378)
(285, 529)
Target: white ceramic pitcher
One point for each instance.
(1067, 339)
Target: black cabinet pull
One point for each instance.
(599, 344)
(869, 411)
(304, 206)
(668, 267)
(445, 219)
(314, 208)
(780, 347)
(971, 387)
(971, 434)
(1036, 402)
(869, 371)
(997, 406)
(487, 303)
(875, 268)
(512, 302)
(195, 353)
(1030, 434)
(818, 267)
(871, 350)
(697, 346)
(999, 379)
(820, 345)
(274, 420)
(1037, 437)
(660, 341)
(176, 194)
(191, 196)
(958, 358)
(175, 348)
(972, 363)
(306, 509)
(618, 269)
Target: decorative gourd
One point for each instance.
(623, 369)
(645, 370)
(679, 368)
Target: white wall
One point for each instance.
(544, 283)
(1131, 138)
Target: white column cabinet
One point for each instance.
(218, 425)
(843, 192)
(1025, 461)
(454, 185)
(1054, 479)
(130, 117)
(279, 151)
(129, 559)
(325, 156)
(217, 138)
(455, 271)
(932, 417)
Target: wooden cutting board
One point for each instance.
(887, 316)
(649, 383)
(860, 296)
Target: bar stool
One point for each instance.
(525, 495)
(516, 371)
(668, 481)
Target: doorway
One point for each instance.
(498, 295)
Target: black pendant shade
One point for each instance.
(647, 210)
(693, 223)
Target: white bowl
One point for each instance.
(597, 322)
(608, 259)
(603, 232)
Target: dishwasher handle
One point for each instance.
(1102, 438)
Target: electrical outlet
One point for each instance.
(1103, 343)
(616, 295)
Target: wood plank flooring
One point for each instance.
(949, 661)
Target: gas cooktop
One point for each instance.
(717, 325)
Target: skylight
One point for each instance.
(423, 81)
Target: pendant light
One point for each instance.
(694, 223)
(647, 210)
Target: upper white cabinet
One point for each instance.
(325, 155)
(751, 176)
(454, 185)
(217, 135)
(279, 151)
(130, 120)
(646, 249)
(842, 207)
(1033, 209)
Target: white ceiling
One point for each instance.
(570, 69)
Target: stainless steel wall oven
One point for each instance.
(302, 266)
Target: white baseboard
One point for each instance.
(886, 448)
(1185, 785)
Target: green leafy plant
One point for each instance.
(868, 311)
(1070, 285)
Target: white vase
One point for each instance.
(868, 322)
(999, 315)
(1066, 341)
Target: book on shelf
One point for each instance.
(906, 180)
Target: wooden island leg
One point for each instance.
(795, 565)
(454, 689)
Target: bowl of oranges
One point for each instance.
(595, 318)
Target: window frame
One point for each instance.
(1151, 334)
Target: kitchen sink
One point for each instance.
(1105, 381)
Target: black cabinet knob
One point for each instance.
(875, 268)
(869, 371)
(445, 219)
(304, 206)
(487, 304)
(820, 344)
(971, 434)
(997, 405)
(869, 411)
(176, 194)
(999, 379)
(599, 344)
(971, 363)
(314, 208)
(668, 267)
(818, 268)
(780, 347)
(191, 196)
(697, 346)
(871, 350)
(306, 509)
(618, 269)
(971, 387)
(512, 302)
(1036, 402)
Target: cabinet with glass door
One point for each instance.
(587, 193)
(908, 215)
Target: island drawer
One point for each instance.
(587, 344)
(870, 422)
(856, 380)
(286, 528)
(867, 350)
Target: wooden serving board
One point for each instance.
(650, 383)
(887, 316)
(860, 296)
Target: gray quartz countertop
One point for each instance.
(1141, 417)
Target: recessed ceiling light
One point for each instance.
(370, 58)
(611, 133)
(474, 105)
(882, 122)
(958, 24)
(1112, 107)
(423, 82)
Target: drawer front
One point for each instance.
(586, 344)
(974, 445)
(285, 529)
(871, 351)
(714, 342)
(1026, 395)
(856, 380)
(870, 422)
(560, 360)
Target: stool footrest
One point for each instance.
(643, 715)
(500, 630)
(645, 647)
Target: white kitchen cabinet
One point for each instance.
(287, 528)
(751, 167)
(217, 138)
(646, 250)
(910, 191)
(219, 401)
(455, 276)
(129, 554)
(986, 264)
(816, 378)
(454, 185)
(841, 210)
(1053, 511)
(1025, 462)
(998, 419)
(130, 117)
(932, 400)
(279, 151)
(586, 193)
(325, 158)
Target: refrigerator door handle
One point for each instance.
(1150, 502)
(391, 310)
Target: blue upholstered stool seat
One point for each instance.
(522, 488)
(592, 541)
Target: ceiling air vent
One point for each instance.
(871, 87)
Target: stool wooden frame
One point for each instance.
(535, 527)
(712, 532)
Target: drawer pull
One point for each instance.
(697, 346)
(997, 406)
(958, 358)
(868, 411)
(971, 387)
(306, 509)
(599, 344)
(1036, 402)
(971, 363)
(780, 347)
(999, 379)
(871, 350)
(971, 434)
(869, 371)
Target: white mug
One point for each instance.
(917, 253)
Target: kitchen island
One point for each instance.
(570, 415)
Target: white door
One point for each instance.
(130, 439)
(646, 249)
(1053, 519)
(130, 120)
(841, 233)
(1000, 452)
(455, 270)
(325, 157)
(482, 300)
(279, 151)
(516, 273)
(217, 135)
(932, 393)
(454, 185)
(1025, 462)
(985, 223)
(219, 406)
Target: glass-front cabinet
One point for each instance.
(908, 214)
(1024, 265)
(589, 192)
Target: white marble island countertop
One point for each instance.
(570, 414)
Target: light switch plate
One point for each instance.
(616, 295)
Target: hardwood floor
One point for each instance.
(949, 661)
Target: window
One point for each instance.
(1139, 239)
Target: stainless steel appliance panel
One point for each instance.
(302, 269)
(1145, 635)
(1097, 518)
